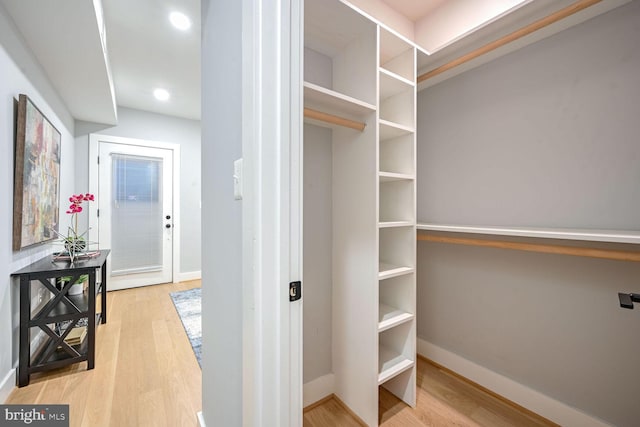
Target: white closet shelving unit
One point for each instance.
(341, 80)
(356, 70)
(396, 216)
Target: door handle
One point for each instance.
(167, 226)
(168, 217)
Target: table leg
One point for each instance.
(91, 321)
(103, 300)
(25, 345)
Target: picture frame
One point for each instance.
(36, 194)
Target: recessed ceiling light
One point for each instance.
(161, 94)
(180, 20)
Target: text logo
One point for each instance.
(34, 415)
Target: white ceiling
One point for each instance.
(147, 52)
(434, 24)
(414, 9)
(65, 38)
(144, 51)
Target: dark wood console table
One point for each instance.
(61, 314)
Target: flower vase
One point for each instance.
(74, 246)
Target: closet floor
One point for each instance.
(444, 399)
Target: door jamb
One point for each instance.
(272, 206)
(94, 150)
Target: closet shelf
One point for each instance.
(392, 176)
(394, 46)
(387, 271)
(391, 224)
(390, 130)
(388, 317)
(610, 236)
(391, 364)
(392, 84)
(332, 102)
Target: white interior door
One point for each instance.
(135, 217)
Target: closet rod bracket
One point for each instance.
(627, 300)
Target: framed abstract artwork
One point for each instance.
(36, 177)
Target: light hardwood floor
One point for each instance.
(147, 375)
(443, 399)
(145, 371)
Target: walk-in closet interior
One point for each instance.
(471, 213)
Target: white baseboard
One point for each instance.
(7, 385)
(317, 389)
(201, 420)
(533, 400)
(189, 275)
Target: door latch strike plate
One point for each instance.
(295, 291)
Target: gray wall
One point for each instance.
(545, 136)
(158, 127)
(222, 231)
(21, 73)
(317, 252)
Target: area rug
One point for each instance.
(189, 308)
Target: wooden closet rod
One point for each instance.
(535, 247)
(524, 31)
(336, 120)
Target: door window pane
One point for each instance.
(136, 220)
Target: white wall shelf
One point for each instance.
(387, 271)
(392, 84)
(391, 176)
(390, 130)
(391, 46)
(397, 157)
(396, 55)
(391, 364)
(396, 200)
(398, 108)
(330, 101)
(391, 316)
(610, 236)
(339, 34)
(392, 224)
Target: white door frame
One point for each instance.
(294, 64)
(94, 141)
(272, 211)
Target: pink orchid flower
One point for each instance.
(76, 202)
